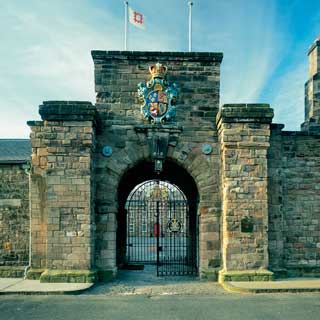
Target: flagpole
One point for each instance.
(190, 3)
(125, 25)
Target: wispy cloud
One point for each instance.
(252, 43)
(45, 51)
(47, 54)
(51, 60)
(288, 99)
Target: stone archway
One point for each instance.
(144, 171)
(219, 158)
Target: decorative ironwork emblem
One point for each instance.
(174, 225)
(107, 151)
(247, 224)
(158, 95)
(206, 148)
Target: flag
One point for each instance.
(136, 18)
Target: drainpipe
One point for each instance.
(28, 172)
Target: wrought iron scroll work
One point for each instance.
(160, 229)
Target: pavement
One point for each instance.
(139, 283)
(283, 285)
(23, 286)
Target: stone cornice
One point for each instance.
(67, 111)
(261, 113)
(314, 45)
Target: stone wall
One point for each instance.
(61, 187)
(14, 215)
(117, 74)
(294, 176)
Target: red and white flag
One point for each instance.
(136, 18)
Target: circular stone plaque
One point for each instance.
(206, 148)
(107, 151)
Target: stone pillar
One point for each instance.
(62, 192)
(312, 90)
(244, 131)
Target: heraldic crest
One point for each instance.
(158, 95)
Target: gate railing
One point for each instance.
(159, 229)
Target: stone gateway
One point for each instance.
(157, 173)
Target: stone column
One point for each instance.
(244, 131)
(62, 187)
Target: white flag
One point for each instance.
(136, 18)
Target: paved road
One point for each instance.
(219, 306)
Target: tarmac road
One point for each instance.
(191, 307)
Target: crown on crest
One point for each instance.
(158, 70)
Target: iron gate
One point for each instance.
(159, 229)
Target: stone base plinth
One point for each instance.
(303, 271)
(71, 276)
(12, 271)
(245, 275)
(34, 274)
(106, 275)
(209, 274)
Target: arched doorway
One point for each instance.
(157, 220)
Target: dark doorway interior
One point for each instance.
(158, 229)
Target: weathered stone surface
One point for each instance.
(14, 215)
(72, 276)
(294, 198)
(61, 194)
(67, 111)
(11, 271)
(34, 274)
(312, 91)
(123, 128)
(245, 275)
(244, 185)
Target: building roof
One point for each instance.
(15, 150)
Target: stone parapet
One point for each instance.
(314, 58)
(315, 44)
(118, 73)
(67, 111)
(261, 113)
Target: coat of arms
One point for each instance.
(158, 95)
(174, 225)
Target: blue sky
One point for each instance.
(45, 49)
